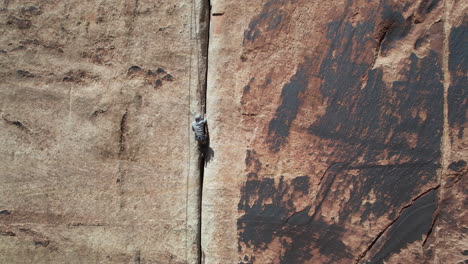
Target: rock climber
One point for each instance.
(199, 127)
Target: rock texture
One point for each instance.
(338, 128)
(337, 131)
(98, 164)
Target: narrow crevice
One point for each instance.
(201, 164)
(7, 233)
(123, 134)
(288, 220)
(204, 36)
(325, 173)
(436, 217)
(380, 40)
(445, 146)
(326, 186)
(203, 151)
(17, 124)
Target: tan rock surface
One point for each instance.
(98, 162)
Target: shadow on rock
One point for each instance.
(207, 153)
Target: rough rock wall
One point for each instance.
(338, 132)
(97, 163)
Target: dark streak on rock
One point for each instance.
(24, 74)
(7, 233)
(160, 71)
(249, 85)
(19, 48)
(299, 218)
(98, 112)
(269, 212)
(397, 183)
(17, 124)
(20, 23)
(456, 171)
(381, 234)
(77, 76)
(330, 175)
(252, 163)
(414, 222)
(301, 184)
(458, 90)
(123, 134)
(381, 36)
(168, 77)
(44, 243)
(30, 11)
(262, 221)
(427, 6)
(269, 19)
(401, 121)
(365, 117)
(157, 83)
(134, 69)
(30, 42)
(78, 224)
(5, 212)
(395, 27)
(150, 77)
(278, 129)
(457, 166)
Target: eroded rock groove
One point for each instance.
(203, 151)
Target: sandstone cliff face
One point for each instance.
(337, 131)
(97, 163)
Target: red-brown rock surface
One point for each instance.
(337, 128)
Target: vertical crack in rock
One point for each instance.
(122, 153)
(123, 134)
(201, 164)
(445, 140)
(202, 64)
(204, 36)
